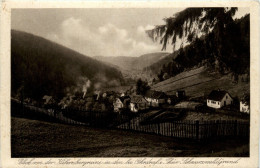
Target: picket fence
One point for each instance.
(192, 129)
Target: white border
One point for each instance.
(7, 161)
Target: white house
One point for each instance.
(120, 103)
(219, 98)
(244, 108)
(155, 98)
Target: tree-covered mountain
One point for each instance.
(41, 67)
(133, 63)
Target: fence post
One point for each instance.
(158, 128)
(129, 124)
(197, 129)
(235, 128)
(217, 128)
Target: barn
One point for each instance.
(138, 103)
(155, 98)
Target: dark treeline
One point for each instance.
(234, 57)
(40, 67)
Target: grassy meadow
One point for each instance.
(33, 138)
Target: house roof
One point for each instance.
(137, 99)
(123, 98)
(155, 94)
(172, 97)
(47, 98)
(217, 95)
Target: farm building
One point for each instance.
(219, 98)
(244, 108)
(138, 103)
(155, 98)
(120, 103)
(172, 99)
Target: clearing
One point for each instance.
(200, 82)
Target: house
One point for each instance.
(155, 98)
(180, 94)
(219, 98)
(48, 99)
(138, 103)
(244, 108)
(121, 103)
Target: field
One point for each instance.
(200, 82)
(33, 138)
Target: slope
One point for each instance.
(200, 82)
(133, 63)
(39, 67)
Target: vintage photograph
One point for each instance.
(130, 82)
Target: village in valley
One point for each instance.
(190, 101)
(129, 101)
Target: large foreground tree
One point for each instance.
(191, 23)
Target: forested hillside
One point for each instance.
(133, 63)
(41, 67)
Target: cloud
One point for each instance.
(142, 29)
(106, 40)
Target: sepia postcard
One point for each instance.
(129, 84)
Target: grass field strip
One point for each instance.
(156, 86)
(192, 85)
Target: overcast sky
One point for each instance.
(95, 32)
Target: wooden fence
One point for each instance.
(192, 129)
(180, 129)
(40, 113)
(70, 116)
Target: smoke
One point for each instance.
(114, 83)
(85, 87)
(97, 92)
(98, 85)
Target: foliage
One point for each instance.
(224, 41)
(235, 56)
(190, 22)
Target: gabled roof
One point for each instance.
(155, 94)
(47, 99)
(137, 99)
(217, 95)
(172, 97)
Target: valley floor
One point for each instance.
(33, 138)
